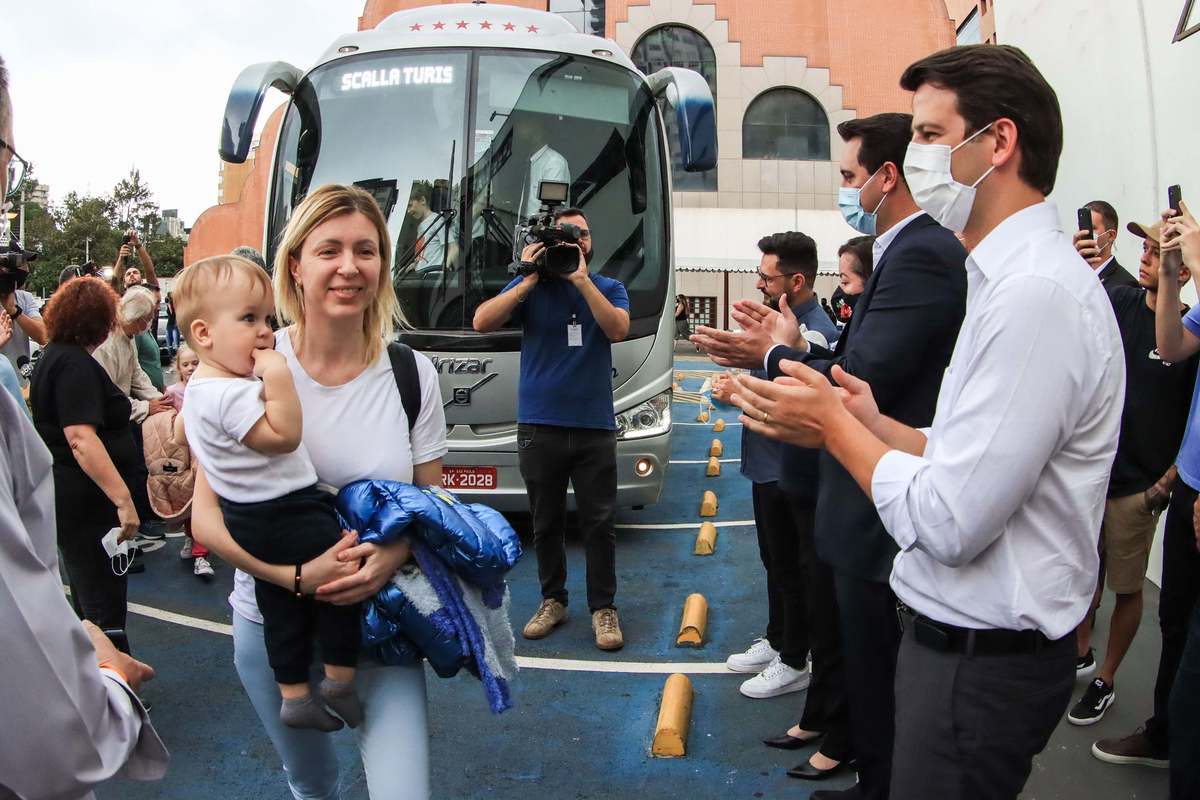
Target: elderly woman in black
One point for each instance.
(84, 420)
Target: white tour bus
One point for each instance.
(452, 116)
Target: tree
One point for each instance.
(133, 204)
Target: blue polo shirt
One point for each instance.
(813, 317)
(563, 385)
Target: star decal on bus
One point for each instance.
(532, 29)
(416, 26)
(485, 25)
(437, 26)
(508, 26)
(462, 25)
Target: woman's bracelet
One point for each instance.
(297, 585)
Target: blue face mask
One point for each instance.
(850, 204)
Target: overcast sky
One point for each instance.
(99, 87)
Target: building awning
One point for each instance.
(726, 239)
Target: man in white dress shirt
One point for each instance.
(71, 718)
(995, 508)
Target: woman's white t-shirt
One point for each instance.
(358, 431)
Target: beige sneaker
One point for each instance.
(550, 614)
(607, 629)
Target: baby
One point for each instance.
(242, 420)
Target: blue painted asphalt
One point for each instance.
(571, 734)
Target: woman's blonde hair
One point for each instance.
(319, 207)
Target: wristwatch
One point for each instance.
(16, 313)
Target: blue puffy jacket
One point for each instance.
(473, 540)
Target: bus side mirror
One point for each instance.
(245, 101)
(689, 95)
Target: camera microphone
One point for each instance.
(24, 367)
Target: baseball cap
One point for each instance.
(1151, 232)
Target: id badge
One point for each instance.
(574, 334)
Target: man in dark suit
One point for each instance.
(900, 340)
(1097, 248)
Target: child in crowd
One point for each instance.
(186, 362)
(242, 421)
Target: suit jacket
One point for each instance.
(1115, 275)
(899, 340)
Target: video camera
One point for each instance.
(559, 259)
(14, 264)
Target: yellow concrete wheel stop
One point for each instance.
(715, 449)
(714, 467)
(708, 504)
(694, 622)
(674, 718)
(706, 540)
(702, 416)
(718, 426)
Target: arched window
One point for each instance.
(785, 124)
(679, 46)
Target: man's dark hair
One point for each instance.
(1107, 213)
(569, 211)
(885, 137)
(998, 80)
(422, 190)
(797, 252)
(861, 247)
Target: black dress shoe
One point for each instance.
(808, 772)
(789, 742)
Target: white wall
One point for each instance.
(1130, 112)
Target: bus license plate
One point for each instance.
(469, 477)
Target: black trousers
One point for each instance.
(870, 643)
(779, 548)
(139, 478)
(83, 515)
(825, 703)
(1180, 588)
(550, 456)
(1185, 710)
(968, 727)
(291, 530)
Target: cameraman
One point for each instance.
(22, 310)
(566, 429)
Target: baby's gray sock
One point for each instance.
(342, 699)
(302, 712)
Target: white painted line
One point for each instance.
(525, 662)
(705, 461)
(638, 667)
(671, 526)
(180, 619)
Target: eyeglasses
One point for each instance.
(18, 168)
(765, 278)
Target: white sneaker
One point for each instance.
(777, 679)
(185, 552)
(755, 659)
(202, 569)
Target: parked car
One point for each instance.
(165, 353)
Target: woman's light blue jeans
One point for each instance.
(393, 739)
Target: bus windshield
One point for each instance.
(454, 144)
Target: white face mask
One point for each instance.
(934, 190)
(118, 552)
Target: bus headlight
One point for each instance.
(651, 418)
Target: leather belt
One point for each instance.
(971, 641)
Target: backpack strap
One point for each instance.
(408, 380)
